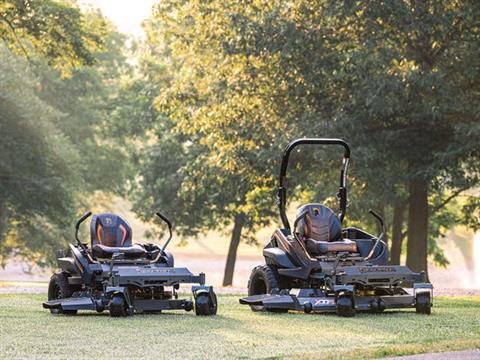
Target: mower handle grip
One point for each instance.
(170, 226)
(82, 219)
(77, 226)
(376, 216)
(380, 237)
(164, 218)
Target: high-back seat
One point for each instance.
(110, 234)
(321, 230)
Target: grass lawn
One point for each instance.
(29, 331)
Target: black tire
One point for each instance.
(205, 306)
(345, 306)
(59, 288)
(307, 307)
(188, 305)
(263, 280)
(377, 306)
(118, 307)
(423, 303)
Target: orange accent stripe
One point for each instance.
(80, 267)
(124, 236)
(99, 228)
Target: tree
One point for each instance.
(247, 78)
(36, 179)
(55, 149)
(225, 158)
(411, 86)
(86, 99)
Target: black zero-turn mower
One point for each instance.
(115, 275)
(320, 267)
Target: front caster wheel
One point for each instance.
(188, 305)
(117, 307)
(345, 306)
(307, 307)
(205, 305)
(423, 304)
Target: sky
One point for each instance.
(127, 15)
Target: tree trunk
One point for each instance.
(417, 225)
(3, 231)
(3, 221)
(397, 233)
(238, 223)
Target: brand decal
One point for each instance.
(324, 302)
(146, 271)
(377, 269)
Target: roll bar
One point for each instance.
(77, 227)
(342, 190)
(170, 226)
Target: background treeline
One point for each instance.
(196, 124)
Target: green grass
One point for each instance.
(23, 284)
(28, 331)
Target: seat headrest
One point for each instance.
(110, 230)
(320, 223)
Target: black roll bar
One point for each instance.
(342, 191)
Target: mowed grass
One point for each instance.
(29, 331)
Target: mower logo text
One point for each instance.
(376, 269)
(146, 271)
(324, 302)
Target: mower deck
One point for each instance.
(124, 279)
(315, 300)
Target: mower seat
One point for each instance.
(321, 230)
(110, 234)
(106, 252)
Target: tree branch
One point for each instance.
(448, 199)
(12, 28)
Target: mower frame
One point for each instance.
(339, 282)
(138, 285)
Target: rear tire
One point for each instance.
(205, 305)
(423, 303)
(263, 280)
(117, 307)
(59, 288)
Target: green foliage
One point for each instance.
(56, 148)
(35, 163)
(55, 31)
(396, 80)
(222, 115)
(86, 99)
